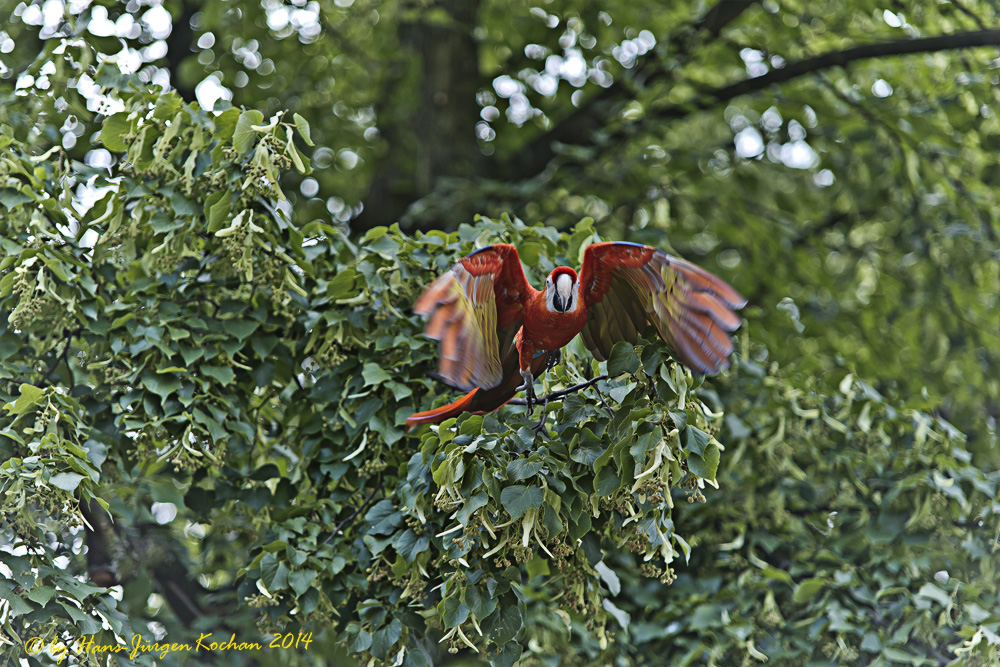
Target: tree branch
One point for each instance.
(356, 513)
(591, 117)
(556, 395)
(63, 356)
(962, 40)
(584, 122)
(968, 12)
(722, 14)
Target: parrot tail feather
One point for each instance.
(444, 412)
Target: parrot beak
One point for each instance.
(563, 298)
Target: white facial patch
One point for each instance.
(564, 285)
(560, 296)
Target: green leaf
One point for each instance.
(698, 466)
(899, 655)
(114, 130)
(704, 456)
(373, 374)
(161, 385)
(772, 572)
(225, 124)
(301, 580)
(244, 135)
(416, 658)
(17, 604)
(623, 359)
(503, 624)
(537, 566)
(10, 198)
(507, 656)
(82, 621)
(696, 440)
(580, 526)
(300, 161)
(384, 639)
(471, 505)
(408, 544)
(29, 398)
(182, 205)
(361, 642)
(480, 604)
(607, 482)
(807, 589)
(519, 499)
(453, 612)
(383, 518)
(550, 519)
(219, 205)
(519, 469)
(604, 459)
(273, 573)
(41, 594)
(342, 284)
(240, 328)
(302, 125)
(223, 374)
(67, 481)
(932, 592)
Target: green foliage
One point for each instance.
(204, 375)
(124, 326)
(207, 340)
(851, 531)
(486, 514)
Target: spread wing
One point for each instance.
(475, 309)
(627, 286)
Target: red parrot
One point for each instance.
(498, 333)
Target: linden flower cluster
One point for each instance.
(35, 303)
(271, 156)
(238, 242)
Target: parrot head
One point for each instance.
(561, 290)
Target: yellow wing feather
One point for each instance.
(629, 286)
(465, 315)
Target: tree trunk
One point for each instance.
(429, 111)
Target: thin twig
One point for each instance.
(63, 356)
(356, 513)
(556, 395)
(600, 395)
(968, 12)
(541, 422)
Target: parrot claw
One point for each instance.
(554, 357)
(529, 389)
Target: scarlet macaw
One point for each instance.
(498, 333)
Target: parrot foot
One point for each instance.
(554, 357)
(529, 389)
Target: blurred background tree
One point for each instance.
(836, 161)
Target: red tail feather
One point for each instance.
(479, 401)
(440, 414)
